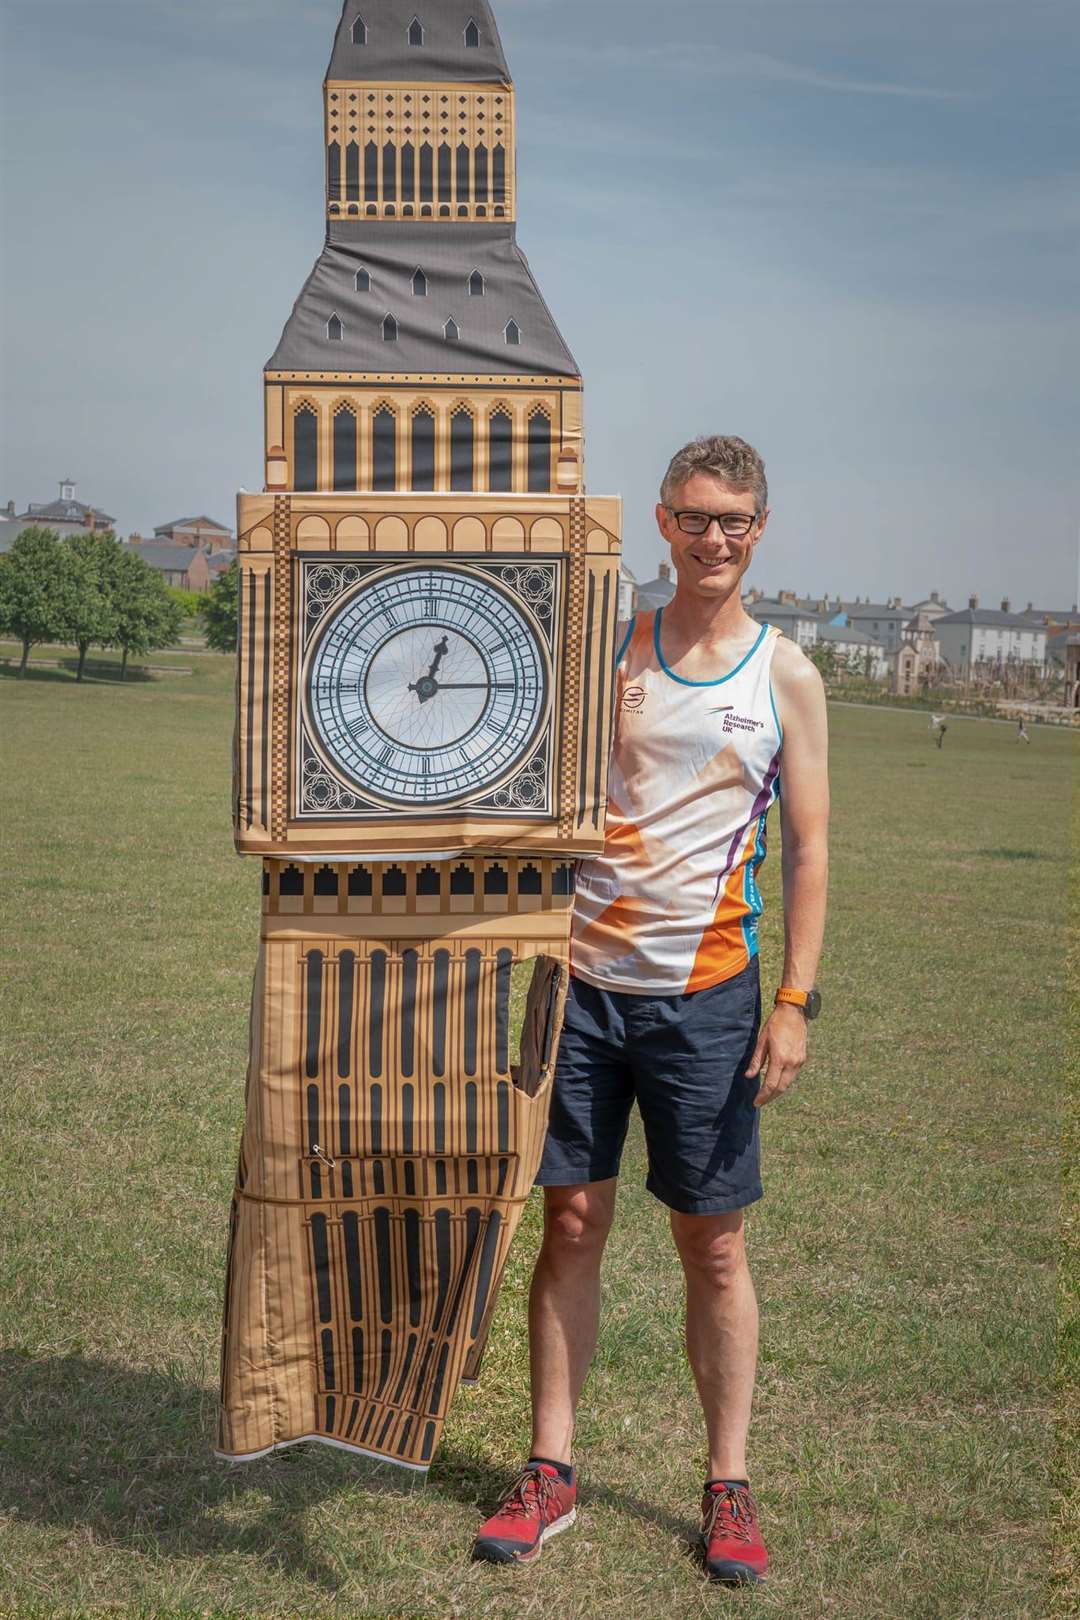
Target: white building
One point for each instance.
(989, 636)
(885, 621)
(862, 654)
(799, 624)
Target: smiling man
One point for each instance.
(713, 712)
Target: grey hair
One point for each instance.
(731, 461)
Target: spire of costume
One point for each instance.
(428, 607)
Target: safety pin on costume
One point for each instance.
(427, 630)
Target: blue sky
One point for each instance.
(846, 229)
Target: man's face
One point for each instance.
(710, 564)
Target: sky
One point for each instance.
(846, 230)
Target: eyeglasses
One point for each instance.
(732, 525)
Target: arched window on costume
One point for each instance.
(389, 172)
(513, 334)
(420, 285)
(363, 281)
(472, 36)
(476, 285)
(481, 187)
(452, 331)
(371, 172)
(539, 453)
(384, 449)
(423, 449)
(352, 172)
(498, 165)
(344, 448)
(461, 450)
(446, 169)
(427, 173)
(408, 172)
(335, 329)
(305, 449)
(501, 453)
(359, 32)
(464, 187)
(416, 32)
(333, 170)
(390, 329)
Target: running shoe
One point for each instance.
(538, 1504)
(734, 1550)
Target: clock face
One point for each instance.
(427, 685)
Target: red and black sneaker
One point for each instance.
(538, 1504)
(734, 1550)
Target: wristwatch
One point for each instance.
(808, 1001)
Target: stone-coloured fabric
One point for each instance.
(389, 1146)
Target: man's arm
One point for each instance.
(804, 821)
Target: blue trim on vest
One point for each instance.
(621, 654)
(681, 678)
(775, 715)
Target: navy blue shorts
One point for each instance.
(683, 1059)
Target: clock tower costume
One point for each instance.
(425, 679)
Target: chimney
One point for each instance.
(1030, 608)
(973, 602)
(10, 508)
(934, 597)
(1006, 605)
(665, 570)
(786, 596)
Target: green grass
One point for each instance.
(905, 1253)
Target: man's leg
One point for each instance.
(564, 1309)
(721, 1331)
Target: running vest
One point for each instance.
(673, 903)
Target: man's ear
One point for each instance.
(765, 516)
(661, 519)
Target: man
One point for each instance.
(665, 1006)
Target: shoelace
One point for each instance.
(737, 1509)
(516, 1499)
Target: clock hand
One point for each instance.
(477, 686)
(441, 649)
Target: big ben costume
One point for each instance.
(428, 603)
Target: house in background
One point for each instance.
(656, 593)
(200, 532)
(65, 516)
(933, 606)
(884, 621)
(918, 655)
(799, 624)
(861, 653)
(990, 636)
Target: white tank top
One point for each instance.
(673, 903)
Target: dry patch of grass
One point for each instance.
(905, 1252)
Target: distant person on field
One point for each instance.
(1021, 735)
(942, 729)
(665, 1004)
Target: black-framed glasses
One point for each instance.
(732, 525)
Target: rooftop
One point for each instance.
(365, 308)
(418, 40)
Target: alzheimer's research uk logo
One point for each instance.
(733, 722)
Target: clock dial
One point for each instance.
(427, 686)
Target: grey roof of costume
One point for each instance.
(443, 56)
(448, 254)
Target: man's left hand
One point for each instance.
(779, 1054)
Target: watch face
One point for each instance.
(427, 685)
(813, 1004)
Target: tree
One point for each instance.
(91, 612)
(36, 590)
(220, 611)
(146, 616)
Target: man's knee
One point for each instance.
(712, 1248)
(577, 1220)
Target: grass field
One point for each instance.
(906, 1252)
